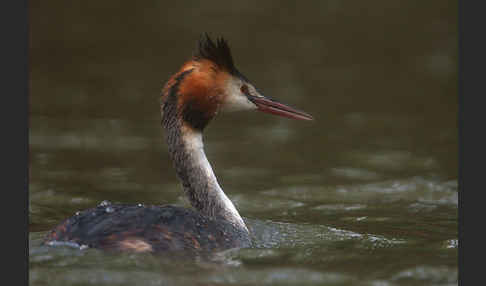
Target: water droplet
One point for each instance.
(104, 203)
(140, 205)
(109, 210)
(77, 213)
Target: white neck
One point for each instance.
(198, 179)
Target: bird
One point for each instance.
(207, 84)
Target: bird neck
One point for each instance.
(193, 169)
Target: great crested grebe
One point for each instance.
(205, 85)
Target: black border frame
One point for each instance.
(471, 63)
(14, 23)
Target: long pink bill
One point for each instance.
(270, 106)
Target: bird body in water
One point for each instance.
(204, 86)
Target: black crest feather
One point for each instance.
(217, 52)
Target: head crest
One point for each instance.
(218, 52)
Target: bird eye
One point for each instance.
(244, 89)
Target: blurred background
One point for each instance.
(367, 192)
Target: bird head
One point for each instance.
(210, 83)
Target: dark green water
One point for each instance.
(366, 194)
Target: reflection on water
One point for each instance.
(366, 194)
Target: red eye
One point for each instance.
(244, 89)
